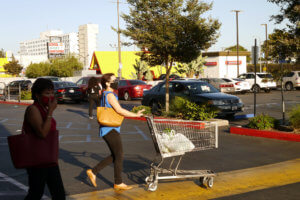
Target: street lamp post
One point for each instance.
(237, 39)
(119, 43)
(266, 53)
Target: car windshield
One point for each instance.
(226, 80)
(59, 85)
(264, 75)
(137, 82)
(238, 79)
(70, 84)
(200, 87)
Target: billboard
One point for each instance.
(56, 48)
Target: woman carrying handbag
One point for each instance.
(39, 121)
(111, 135)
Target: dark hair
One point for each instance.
(39, 86)
(106, 78)
(92, 82)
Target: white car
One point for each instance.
(291, 80)
(220, 84)
(239, 84)
(264, 81)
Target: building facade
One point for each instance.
(223, 64)
(87, 36)
(35, 50)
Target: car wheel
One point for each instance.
(267, 90)
(127, 96)
(154, 107)
(289, 86)
(256, 88)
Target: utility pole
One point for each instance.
(237, 40)
(119, 43)
(266, 53)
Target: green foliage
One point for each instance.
(142, 69)
(60, 67)
(262, 122)
(289, 9)
(282, 45)
(194, 67)
(25, 95)
(171, 30)
(183, 108)
(13, 67)
(294, 115)
(2, 53)
(241, 48)
(147, 109)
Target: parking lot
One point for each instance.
(81, 148)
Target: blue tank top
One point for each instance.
(106, 129)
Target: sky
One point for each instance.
(24, 20)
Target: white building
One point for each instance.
(87, 35)
(35, 50)
(223, 64)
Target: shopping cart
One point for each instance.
(173, 138)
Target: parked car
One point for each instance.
(82, 83)
(13, 87)
(264, 81)
(291, 80)
(171, 77)
(67, 91)
(239, 84)
(220, 84)
(196, 91)
(52, 78)
(132, 89)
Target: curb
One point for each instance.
(24, 103)
(265, 134)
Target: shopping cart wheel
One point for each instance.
(210, 182)
(148, 179)
(202, 180)
(152, 186)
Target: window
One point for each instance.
(122, 83)
(80, 81)
(137, 82)
(264, 75)
(162, 89)
(250, 76)
(290, 74)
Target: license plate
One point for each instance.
(71, 91)
(234, 107)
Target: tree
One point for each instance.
(241, 48)
(290, 10)
(13, 67)
(195, 67)
(61, 67)
(171, 30)
(282, 44)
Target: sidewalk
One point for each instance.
(226, 184)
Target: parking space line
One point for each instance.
(16, 183)
(69, 124)
(141, 133)
(88, 126)
(3, 120)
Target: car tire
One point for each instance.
(289, 86)
(154, 107)
(256, 88)
(127, 96)
(267, 90)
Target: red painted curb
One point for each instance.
(15, 103)
(266, 134)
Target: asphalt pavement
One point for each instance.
(238, 158)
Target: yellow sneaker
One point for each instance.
(92, 177)
(122, 186)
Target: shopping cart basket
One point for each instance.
(173, 138)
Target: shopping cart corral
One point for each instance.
(174, 138)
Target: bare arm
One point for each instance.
(112, 100)
(34, 118)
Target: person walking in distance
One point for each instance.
(111, 135)
(38, 120)
(94, 91)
